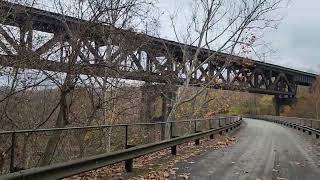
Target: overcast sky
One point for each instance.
(296, 41)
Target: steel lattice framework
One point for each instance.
(137, 56)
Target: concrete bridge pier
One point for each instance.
(156, 105)
(277, 105)
(279, 101)
(148, 102)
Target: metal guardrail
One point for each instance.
(13, 144)
(73, 167)
(309, 125)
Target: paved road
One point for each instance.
(265, 151)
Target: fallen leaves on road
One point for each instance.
(159, 165)
(185, 152)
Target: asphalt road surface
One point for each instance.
(264, 151)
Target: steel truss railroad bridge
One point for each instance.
(140, 57)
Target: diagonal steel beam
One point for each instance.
(34, 62)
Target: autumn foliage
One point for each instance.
(308, 102)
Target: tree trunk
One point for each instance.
(61, 121)
(170, 114)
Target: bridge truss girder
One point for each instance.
(114, 53)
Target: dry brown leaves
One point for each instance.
(159, 165)
(110, 172)
(185, 152)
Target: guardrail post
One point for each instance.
(220, 126)
(210, 127)
(227, 130)
(126, 137)
(171, 130)
(173, 148)
(317, 136)
(197, 141)
(12, 153)
(310, 133)
(128, 163)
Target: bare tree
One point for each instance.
(93, 33)
(79, 65)
(225, 27)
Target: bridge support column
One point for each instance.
(279, 101)
(156, 105)
(277, 105)
(147, 108)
